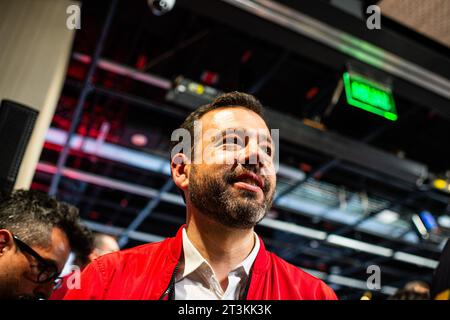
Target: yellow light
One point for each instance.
(200, 89)
(440, 184)
(444, 295)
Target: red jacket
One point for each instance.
(144, 273)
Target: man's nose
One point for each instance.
(252, 155)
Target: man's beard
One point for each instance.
(8, 293)
(215, 197)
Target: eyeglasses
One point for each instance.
(47, 271)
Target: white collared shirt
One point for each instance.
(195, 279)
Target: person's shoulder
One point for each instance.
(143, 249)
(292, 269)
(123, 257)
(297, 275)
(104, 277)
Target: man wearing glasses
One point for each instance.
(37, 234)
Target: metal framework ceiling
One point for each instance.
(346, 43)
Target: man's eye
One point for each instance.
(42, 266)
(230, 146)
(233, 141)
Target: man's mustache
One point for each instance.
(238, 169)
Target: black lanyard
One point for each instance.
(170, 291)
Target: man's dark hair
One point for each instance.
(231, 99)
(404, 294)
(31, 215)
(83, 250)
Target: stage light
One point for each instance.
(413, 259)
(160, 7)
(359, 245)
(419, 225)
(293, 228)
(444, 221)
(139, 140)
(387, 216)
(428, 220)
(441, 185)
(191, 94)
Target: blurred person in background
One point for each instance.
(102, 244)
(413, 290)
(37, 233)
(419, 287)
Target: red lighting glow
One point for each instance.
(139, 140)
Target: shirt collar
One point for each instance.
(194, 260)
(248, 262)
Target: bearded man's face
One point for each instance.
(234, 184)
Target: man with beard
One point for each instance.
(37, 234)
(228, 186)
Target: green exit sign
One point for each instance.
(370, 96)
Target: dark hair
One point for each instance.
(83, 250)
(405, 294)
(31, 215)
(411, 285)
(231, 99)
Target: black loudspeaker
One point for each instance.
(16, 125)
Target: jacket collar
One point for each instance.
(261, 264)
(175, 246)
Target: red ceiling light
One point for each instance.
(246, 56)
(210, 78)
(94, 215)
(124, 203)
(305, 167)
(141, 62)
(311, 93)
(139, 140)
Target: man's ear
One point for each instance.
(93, 255)
(6, 241)
(180, 170)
